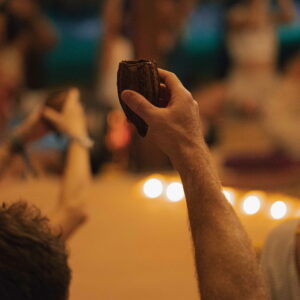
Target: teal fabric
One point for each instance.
(199, 56)
(74, 59)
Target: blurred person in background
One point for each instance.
(280, 260)
(281, 111)
(134, 29)
(34, 264)
(116, 45)
(25, 35)
(252, 46)
(211, 98)
(70, 210)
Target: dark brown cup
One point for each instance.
(140, 76)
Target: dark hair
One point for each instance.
(33, 261)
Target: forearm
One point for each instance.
(225, 261)
(71, 212)
(76, 176)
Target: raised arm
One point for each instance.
(225, 260)
(71, 210)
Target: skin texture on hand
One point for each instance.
(225, 260)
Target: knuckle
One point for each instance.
(171, 74)
(188, 96)
(174, 75)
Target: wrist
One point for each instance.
(84, 141)
(195, 166)
(79, 131)
(186, 156)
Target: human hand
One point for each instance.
(71, 121)
(177, 128)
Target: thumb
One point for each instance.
(139, 104)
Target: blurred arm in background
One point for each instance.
(31, 129)
(116, 45)
(70, 213)
(225, 260)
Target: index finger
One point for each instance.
(171, 80)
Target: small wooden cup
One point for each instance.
(140, 76)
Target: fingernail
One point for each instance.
(126, 95)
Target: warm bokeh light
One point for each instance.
(229, 195)
(153, 188)
(175, 192)
(251, 204)
(278, 210)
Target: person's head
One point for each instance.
(33, 262)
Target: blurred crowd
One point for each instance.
(131, 29)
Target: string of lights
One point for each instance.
(250, 203)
